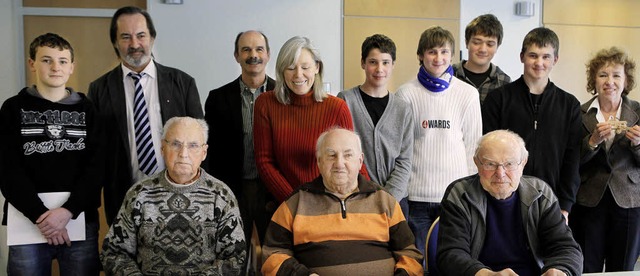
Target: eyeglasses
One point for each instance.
(178, 146)
(492, 166)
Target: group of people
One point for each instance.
(345, 185)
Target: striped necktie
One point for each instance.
(144, 144)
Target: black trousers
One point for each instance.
(256, 206)
(608, 234)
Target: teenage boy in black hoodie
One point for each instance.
(50, 144)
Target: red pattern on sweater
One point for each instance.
(285, 138)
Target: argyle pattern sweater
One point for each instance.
(168, 229)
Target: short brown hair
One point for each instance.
(541, 37)
(487, 25)
(435, 37)
(50, 40)
(611, 56)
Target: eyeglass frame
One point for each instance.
(178, 146)
(496, 165)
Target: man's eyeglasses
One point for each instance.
(177, 146)
(492, 166)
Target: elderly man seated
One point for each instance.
(181, 221)
(340, 223)
(499, 222)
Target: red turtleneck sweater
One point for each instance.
(285, 138)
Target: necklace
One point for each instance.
(609, 115)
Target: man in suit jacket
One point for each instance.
(229, 113)
(168, 92)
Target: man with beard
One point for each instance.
(135, 99)
(229, 113)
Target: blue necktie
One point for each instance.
(144, 144)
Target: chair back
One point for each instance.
(432, 244)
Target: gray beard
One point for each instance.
(136, 62)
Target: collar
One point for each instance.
(459, 69)
(150, 70)
(524, 88)
(72, 97)
(476, 196)
(173, 183)
(595, 104)
(244, 87)
(302, 100)
(364, 186)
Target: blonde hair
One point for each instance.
(287, 57)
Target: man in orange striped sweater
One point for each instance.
(340, 223)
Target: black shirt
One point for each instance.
(375, 106)
(477, 79)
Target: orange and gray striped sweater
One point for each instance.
(314, 231)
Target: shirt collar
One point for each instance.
(262, 88)
(149, 70)
(599, 115)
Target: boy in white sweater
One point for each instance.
(447, 125)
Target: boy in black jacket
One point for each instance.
(50, 145)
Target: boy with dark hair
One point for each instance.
(447, 124)
(545, 116)
(482, 36)
(49, 146)
(383, 121)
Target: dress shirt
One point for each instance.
(249, 97)
(149, 82)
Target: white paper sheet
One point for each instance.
(20, 230)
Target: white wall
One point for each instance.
(198, 36)
(515, 28)
(10, 82)
(206, 31)
(10, 77)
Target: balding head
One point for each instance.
(339, 156)
(500, 158)
(184, 147)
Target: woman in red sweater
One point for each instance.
(288, 120)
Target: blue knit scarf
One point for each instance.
(434, 84)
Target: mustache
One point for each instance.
(134, 50)
(253, 61)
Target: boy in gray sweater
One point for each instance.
(382, 120)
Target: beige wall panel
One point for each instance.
(403, 8)
(87, 4)
(89, 37)
(592, 12)
(578, 44)
(404, 32)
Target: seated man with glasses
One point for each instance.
(180, 221)
(499, 221)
